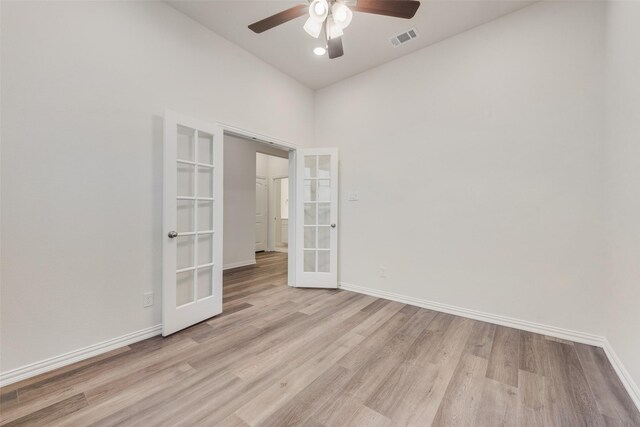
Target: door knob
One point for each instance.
(333, 226)
(173, 234)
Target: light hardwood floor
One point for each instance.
(280, 356)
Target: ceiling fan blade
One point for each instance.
(397, 8)
(279, 18)
(335, 47)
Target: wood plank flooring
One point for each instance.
(280, 356)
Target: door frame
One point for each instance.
(272, 211)
(267, 213)
(293, 150)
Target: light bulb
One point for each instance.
(313, 27)
(319, 51)
(318, 10)
(342, 15)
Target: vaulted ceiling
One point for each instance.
(366, 41)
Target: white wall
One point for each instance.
(84, 87)
(241, 165)
(622, 184)
(478, 163)
(278, 167)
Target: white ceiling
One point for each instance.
(366, 41)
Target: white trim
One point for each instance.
(623, 374)
(239, 264)
(237, 131)
(553, 331)
(65, 359)
(272, 211)
(291, 257)
(268, 214)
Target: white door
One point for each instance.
(262, 207)
(317, 218)
(192, 220)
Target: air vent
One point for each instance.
(404, 37)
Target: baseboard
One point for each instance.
(632, 388)
(567, 334)
(623, 374)
(239, 264)
(55, 362)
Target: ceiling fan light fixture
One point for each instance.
(333, 16)
(342, 15)
(313, 27)
(318, 10)
(333, 30)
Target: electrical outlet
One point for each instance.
(147, 299)
(383, 272)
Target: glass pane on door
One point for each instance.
(324, 190)
(309, 261)
(324, 166)
(185, 216)
(205, 216)
(185, 256)
(194, 216)
(324, 213)
(184, 288)
(309, 237)
(186, 175)
(205, 148)
(310, 163)
(205, 249)
(205, 182)
(324, 237)
(310, 190)
(205, 282)
(316, 195)
(309, 214)
(185, 148)
(323, 261)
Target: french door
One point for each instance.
(192, 220)
(316, 219)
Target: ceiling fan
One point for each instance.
(333, 16)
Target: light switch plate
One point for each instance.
(353, 196)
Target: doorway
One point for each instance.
(252, 218)
(271, 214)
(207, 193)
